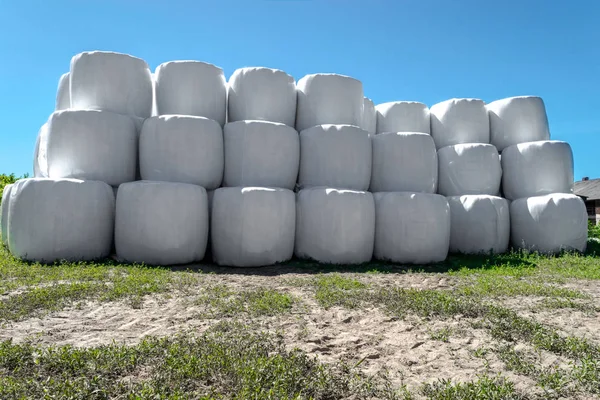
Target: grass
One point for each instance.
(230, 360)
(234, 361)
(222, 301)
(35, 289)
(484, 388)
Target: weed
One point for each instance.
(222, 301)
(228, 361)
(442, 335)
(484, 388)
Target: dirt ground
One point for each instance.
(402, 348)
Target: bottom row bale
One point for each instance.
(166, 223)
(252, 226)
(161, 222)
(60, 219)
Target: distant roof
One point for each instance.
(589, 189)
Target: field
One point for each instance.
(516, 326)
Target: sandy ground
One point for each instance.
(401, 347)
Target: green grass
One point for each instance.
(34, 289)
(222, 301)
(337, 290)
(484, 388)
(229, 361)
(495, 285)
(442, 335)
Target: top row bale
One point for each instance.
(124, 84)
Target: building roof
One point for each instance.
(588, 188)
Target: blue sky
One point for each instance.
(427, 50)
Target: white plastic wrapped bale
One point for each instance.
(252, 227)
(403, 116)
(369, 117)
(40, 161)
(537, 168)
(335, 226)
(404, 162)
(187, 149)
(63, 93)
(457, 121)
(259, 93)
(111, 82)
(4, 213)
(479, 224)
(60, 219)
(517, 120)
(338, 156)
(329, 99)
(191, 88)
(161, 223)
(549, 224)
(92, 145)
(260, 153)
(411, 228)
(470, 168)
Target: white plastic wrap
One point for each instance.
(111, 82)
(4, 213)
(403, 116)
(259, 93)
(411, 228)
(161, 223)
(549, 224)
(329, 99)
(457, 121)
(260, 153)
(63, 93)
(335, 226)
(40, 161)
(517, 120)
(479, 224)
(191, 88)
(404, 162)
(369, 117)
(537, 168)
(471, 168)
(92, 145)
(252, 226)
(186, 149)
(60, 219)
(338, 156)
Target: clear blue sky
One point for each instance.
(424, 50)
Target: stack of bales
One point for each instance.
(161, 167)
(253, 214)
(537, 178)
(335, 212)
(412, 221)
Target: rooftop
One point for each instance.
(589, 188)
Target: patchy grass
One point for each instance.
(223, 301)
(484, 388)
(494, 285)
(337, 290)
(557, 303)
(442, 335)
(32, 289)
(230, 360)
